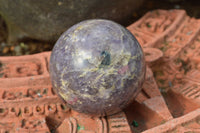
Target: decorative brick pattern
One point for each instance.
(176, 70)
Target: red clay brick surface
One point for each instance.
(171, 42)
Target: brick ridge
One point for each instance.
(171, 124)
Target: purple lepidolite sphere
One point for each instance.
(97, 67)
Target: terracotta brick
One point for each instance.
(150, 109)
(152, 55)
(155, 26)
(24, 71)
(177, 72)
(186, 123)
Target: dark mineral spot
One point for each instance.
(106, 58)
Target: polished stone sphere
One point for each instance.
(97, 67)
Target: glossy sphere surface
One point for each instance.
(97, 67)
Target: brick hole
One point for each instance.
(6, 132)
(5, 75)
(38, 92)
(12, 110)
(45, 91)
(21, 70)
(26, 110)
(20, 112)
(23, 123)
(63, 107)
(53, 92)
(2, 110)
(50, 108)
(38, 109)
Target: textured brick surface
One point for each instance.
(171, 42)
(177, 71)
(189, 123)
